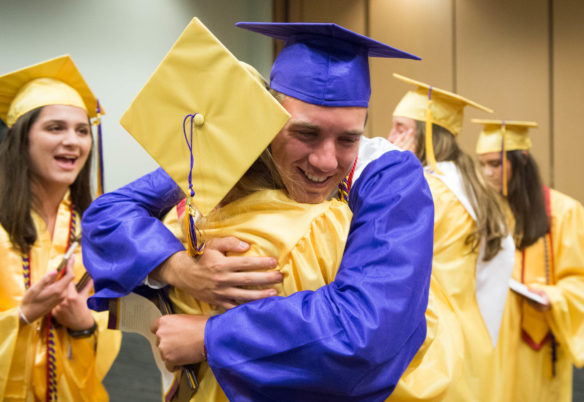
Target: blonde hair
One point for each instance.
(485, 201)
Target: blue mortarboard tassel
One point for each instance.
(195, 245)
(100, 178)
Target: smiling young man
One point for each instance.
(316, 148)
(349, 340)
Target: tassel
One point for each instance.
(430, 158)
(503, 160)
(100, 179)
(195, 245)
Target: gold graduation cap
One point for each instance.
(502, 136)
(53, 82)
(433, 105)
(515, 133)
(203, 117)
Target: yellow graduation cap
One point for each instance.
(502, 136)
(203, 117)
(53, 82)
(433, 105)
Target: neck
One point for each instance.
(46, 201)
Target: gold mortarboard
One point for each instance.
(502, 136)
(433, 105)
(515, 133)
(53, 82)
(203, 117)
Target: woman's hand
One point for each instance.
(73, 312)
(406, 141)
(45, 294)
(539, 306)
(180, 339)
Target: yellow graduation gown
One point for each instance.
(454, 266)
(526, 372)
(23, 364)
(308, 241)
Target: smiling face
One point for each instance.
(316, 148)
(59, 144)
(492, 167)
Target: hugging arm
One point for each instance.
(352, 339)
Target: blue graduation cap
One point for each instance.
(322, 63)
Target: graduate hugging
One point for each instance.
(280, 171)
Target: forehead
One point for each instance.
(406, 121)
(325, 117)
(490, 157)
(63, 113)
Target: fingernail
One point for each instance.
(243, 245)
(272, 292)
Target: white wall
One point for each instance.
(117, 44)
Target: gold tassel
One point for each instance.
(504, 159)
(430, 158)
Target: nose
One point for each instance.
(70, 138)
(324, 156)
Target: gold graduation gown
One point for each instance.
(526, 372)
(308, 240)
(23, 364)
(454, 266)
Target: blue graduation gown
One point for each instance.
(348, 341)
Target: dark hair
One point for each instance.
(525, 193)
(491, 221)
(16, 198)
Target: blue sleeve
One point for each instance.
(123, 237)
(352, 339)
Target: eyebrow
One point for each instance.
(310, 126)
(52, 121)
(304, 124)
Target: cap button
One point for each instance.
(199, 120)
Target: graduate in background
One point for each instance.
(539, 340)
(49, 345)
(473, 252)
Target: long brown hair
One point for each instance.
(526, 199)
(16, 198)
(491, 221)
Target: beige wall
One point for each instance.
(117, 44)
(522, 58)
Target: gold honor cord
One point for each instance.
(430, 158)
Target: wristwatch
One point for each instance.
(82, 333)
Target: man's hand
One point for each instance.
(180, 339)
(216, 278)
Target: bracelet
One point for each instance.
(22, 316)
(82, 333)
